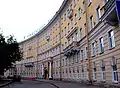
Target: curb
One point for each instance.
(3, 85)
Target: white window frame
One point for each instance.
(113, 39)
(93, 53)
(80, 33)
(94, 73)
(114, 63)
(101, 45)
(98, 14)
(91, 23)
(103, 73)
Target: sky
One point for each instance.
(23, 17)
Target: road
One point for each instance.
(51, 84)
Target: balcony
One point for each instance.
(110, 14)
(71, 49)
(70, 13)
(29, 64)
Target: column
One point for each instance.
(50, 70)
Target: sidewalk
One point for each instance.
(62, 84)
(5, 83)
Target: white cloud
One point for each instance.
(21, 17)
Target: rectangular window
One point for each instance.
(114, 70)
(93, 49)
(68, 26)
(80, 33)
(65, 17)
(103, 70)
(84, 7)
(82, 75)
(91, 23)
(72, 38)
(76, 36)
(105, 1)
(101, 45)
(77, 56)
(65, 31)
(86, 53)
(111, 39)
(89, 2)
(87, 72)
(74, 3)
(82, 55)
(94, 71)
(85, 29)
(98, 14)
(79, 12)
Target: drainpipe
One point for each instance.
(88, 42)
(60, 49)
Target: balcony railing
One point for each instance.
(110, 15)
(71, 48)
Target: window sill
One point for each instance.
(89, 4)
(115, 82)
(93, 55)
(111, 48)
(101, 53)
(79, 18)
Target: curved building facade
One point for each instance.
(80, 43)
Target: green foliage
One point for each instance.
(9, 53)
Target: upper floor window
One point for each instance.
(82, 75)
(105, 1)
(65, 31)
(98, 13)
(93, 49)
(65, 17)
(84, 6)
(101, 45)
(68, 26)
(76, 36)
(89, 2)
(86, 52)
(91, 23)
(75, 3)
(80, 33)
(114, 69)
(79, 12)
(103, 70)
(111, 39)
(85, 29)
(94, 71)
(82, 55)
(72, 38)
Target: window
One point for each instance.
(89, 2)
(62, 62)
(101, 45)
(84, 7)
(114, 69)
(85, 29)
(75, 19)
(65, 17)
(72, 38)
(82, 75)
(91, 22)
(80, 33)
(77, 56)
(62, 33)
(103, 70)
(86, 53)
(79, 12)
(72, 59)
(105, 1)
(93, 49)
(98, 13)
(76, 36)
(74, 3)
(65, 31)
(65, 44)
(87, 72)
(82, 56)
(111, 39)
(62, 46)
(94, 71)
(68, 26)
(66, 61)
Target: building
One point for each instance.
(80, 43)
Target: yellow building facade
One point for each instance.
(80, 43)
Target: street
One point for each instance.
(50, 84)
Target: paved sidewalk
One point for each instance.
(62, 84)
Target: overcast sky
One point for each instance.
(22, 17)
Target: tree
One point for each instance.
(9, 53)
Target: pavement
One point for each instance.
(47, 84)
(5, 83)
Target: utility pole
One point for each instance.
(88, 42)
